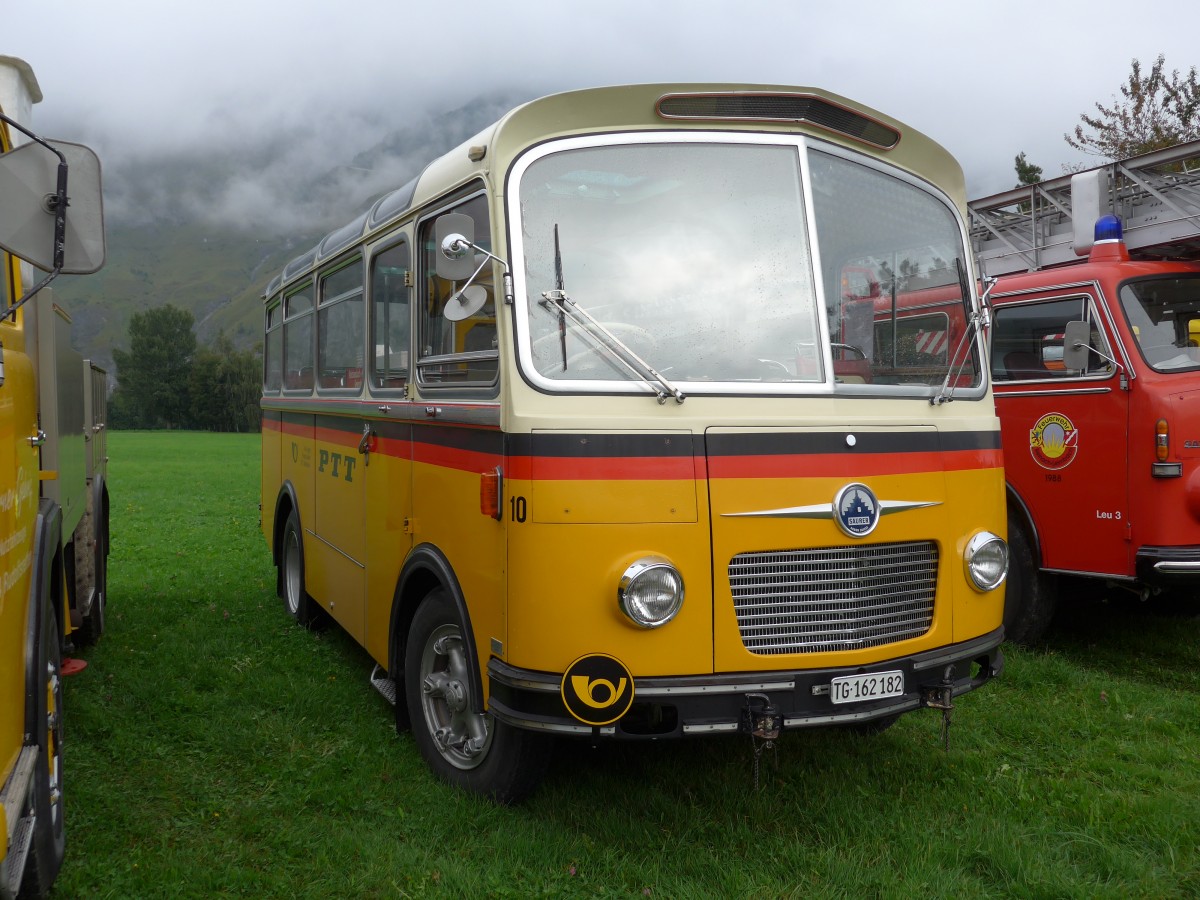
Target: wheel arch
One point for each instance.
(285, 503)
(425, 569)
(1019, 516)
(45, 597)
(100, 503)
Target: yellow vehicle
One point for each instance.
(579, 434)
(53, 495)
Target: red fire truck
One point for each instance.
(1095, 356)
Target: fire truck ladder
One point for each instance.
(1156, 195)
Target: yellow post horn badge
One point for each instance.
(597, 689)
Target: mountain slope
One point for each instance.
(207, 233)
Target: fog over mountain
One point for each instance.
(205, 227)
(312, 176)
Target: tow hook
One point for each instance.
(762, 721)
(941, 696)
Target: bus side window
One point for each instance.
(340, 328)
(273, 352)
(390, 279)
(298, 339)
(457, 350)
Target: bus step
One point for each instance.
(19, 787)
(383, 684)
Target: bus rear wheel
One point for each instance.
(466, 748)
(1029, 593)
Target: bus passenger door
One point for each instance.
(337, 558)
(338, 570)
(387, 466)
(1064, 434)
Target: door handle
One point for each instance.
(364, 446)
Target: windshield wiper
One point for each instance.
(974, 321)
(558, 300)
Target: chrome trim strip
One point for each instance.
(393, 408)
(999, 392)
(693, 690)
(1180, 565)
(606, 731)
(643, 689)
(894, 708)
(1107, 575)
(335, 549)
(825, 510)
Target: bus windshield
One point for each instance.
(696, 258)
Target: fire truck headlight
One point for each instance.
(986, 559)
(650, 592)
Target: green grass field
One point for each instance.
(216, 749)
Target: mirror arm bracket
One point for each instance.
(456, 244)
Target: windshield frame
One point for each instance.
(828, 384)
(1142, 350)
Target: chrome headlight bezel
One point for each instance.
(650, 592)
(986, 561)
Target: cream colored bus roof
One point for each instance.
(643, 107)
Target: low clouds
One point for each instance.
(313, 86)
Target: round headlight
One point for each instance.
(651, 592)
(986, 558)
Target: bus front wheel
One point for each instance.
(469, 749)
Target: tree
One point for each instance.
(153, 375)
(1156, 110)
(1027, 172)
(225, 388)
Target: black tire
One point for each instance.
(471, 750)
(93, 623)
(296, 601)
(49, 835)
(1030, 595)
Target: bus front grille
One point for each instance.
(834, 598)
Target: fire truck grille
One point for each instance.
(834, 598)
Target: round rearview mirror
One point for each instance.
(465, 303)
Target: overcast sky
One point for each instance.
(986, 80)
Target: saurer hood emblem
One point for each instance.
(855, 509)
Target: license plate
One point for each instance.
(873, 686)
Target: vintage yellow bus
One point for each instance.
(579, 433)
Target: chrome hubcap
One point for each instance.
(462, 736)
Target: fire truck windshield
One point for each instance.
(1164, 314)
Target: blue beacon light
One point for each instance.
(1108, 228)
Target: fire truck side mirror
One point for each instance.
(28, 187)
(1076, 340)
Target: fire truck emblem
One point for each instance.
(856, 510)
(1054, 441)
